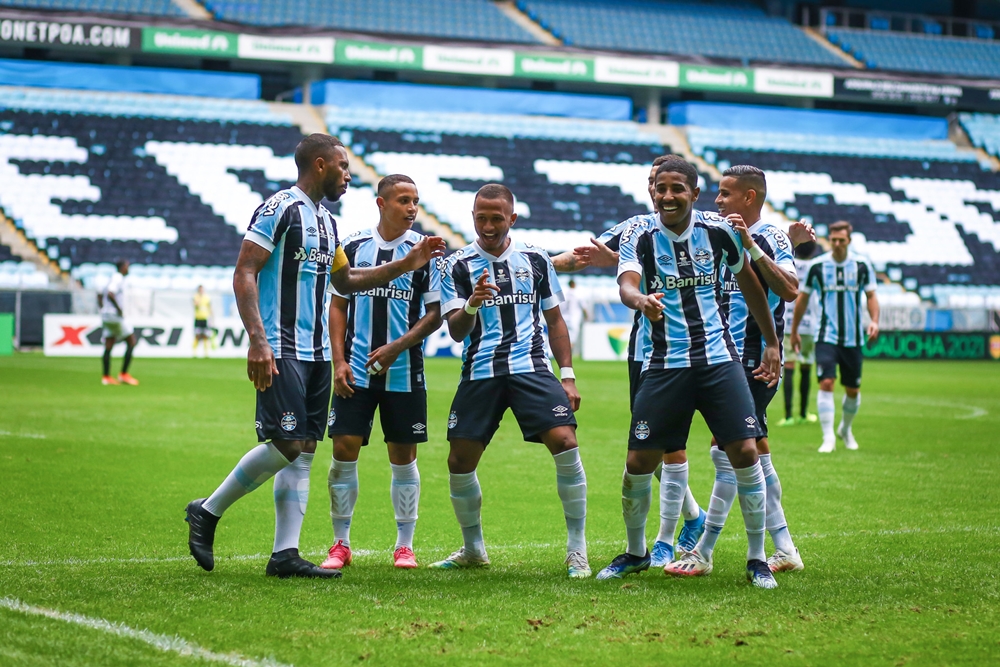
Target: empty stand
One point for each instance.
(456, 19)
(983, 130)
(920, 53)
(572, 179)
(718, 30)
(156, 7)
(926, 218)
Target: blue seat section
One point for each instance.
(155, 7)
(92, 178)
(718, 30)
(455, 19)
(416, 97)
(983, 130)
(920, 53)
(129, 79)
(928, 215)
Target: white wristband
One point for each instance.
(755, 252)
(471, 310)
(566, 373)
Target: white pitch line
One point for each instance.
(32, 436)
(166, 643)
(733, 535)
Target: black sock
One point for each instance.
(107, 361)
(789, 391)
(128, 358)
(804, 390)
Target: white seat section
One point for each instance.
(629, 178)
(28, 198)
(156, 277)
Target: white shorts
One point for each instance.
(115, 328)
(807, 350)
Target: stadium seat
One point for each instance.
(928, 53)
(153, 7)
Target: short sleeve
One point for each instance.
(628, 253)
(732, 248)
(266, 227)
(433, 293)
(455, 288)
(872, 282)
(783, 256)
(115, 283)
(550, 291)
(812, 279)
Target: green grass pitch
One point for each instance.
(900, 539)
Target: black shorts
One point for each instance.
(403, 415)
(829, 356)
(667, 399)
(295, 406)
(762, 396)
(634, 376)
(538, 401)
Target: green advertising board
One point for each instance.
(933, 345)
(697, 77)
(190, 42)
(378, 54)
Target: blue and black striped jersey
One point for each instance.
(839, 287)
(507, 337)
(612, 239)
(686, 268)
(742, 326)
(292, 285)
(385, 313)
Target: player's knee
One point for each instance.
(852, 391)
(290, 449)
(826, 384)
(680, 456)
(401, 455)
(560, 440)
(742, 453)
(346, 448)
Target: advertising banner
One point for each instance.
(731, 79)
(291, 49)
(793, 83)
(202, 43)
(498, 62)
(377, 54)
(68, 32)
(884, 90)
(553, 66)
(606, 342)
(933, 345)
(662, 73)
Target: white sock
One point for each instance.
(850, 406)
(291, 494)
(571, 483)
(775, 521)
(256, 467)
(673, 482)
(723, 497)
(405, 492)
(824, 405)
(690, 510)
(753, 497)
(637, 492)
(467, 499)
(343, 483)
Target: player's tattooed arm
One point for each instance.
(350, 279)
(779, 281)
(632, 297)
(769, 370)
(261, 366)
(380, 359)
(460, 320)
(562, 350)
(567, 262)
(343, 377)
(801, 306)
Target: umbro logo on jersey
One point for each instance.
(522, 274)
(288, 422)
(703, 256)
(311, 230)
(314, 255)
(641, 431)
(419, 428)
(363, 264)
(560, 410)
(666, 260)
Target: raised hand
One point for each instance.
(740, 225)
(483, 290)
(800, 232)
(596, 254)
(424, 251)
(652, 308)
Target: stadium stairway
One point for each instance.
(193, 9)
(14, 246)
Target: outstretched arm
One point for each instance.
(349, 279)
(385, 356)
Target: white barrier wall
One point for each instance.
(606, 342)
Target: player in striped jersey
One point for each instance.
(289, 254)
(495, 293)
(671, 273)
(603, 253)
(376, 338)
(742, 191)
(838, 277)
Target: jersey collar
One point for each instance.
(490, 258)
(298, 192)
(386, 245)
(756, 227)
(683, 236)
